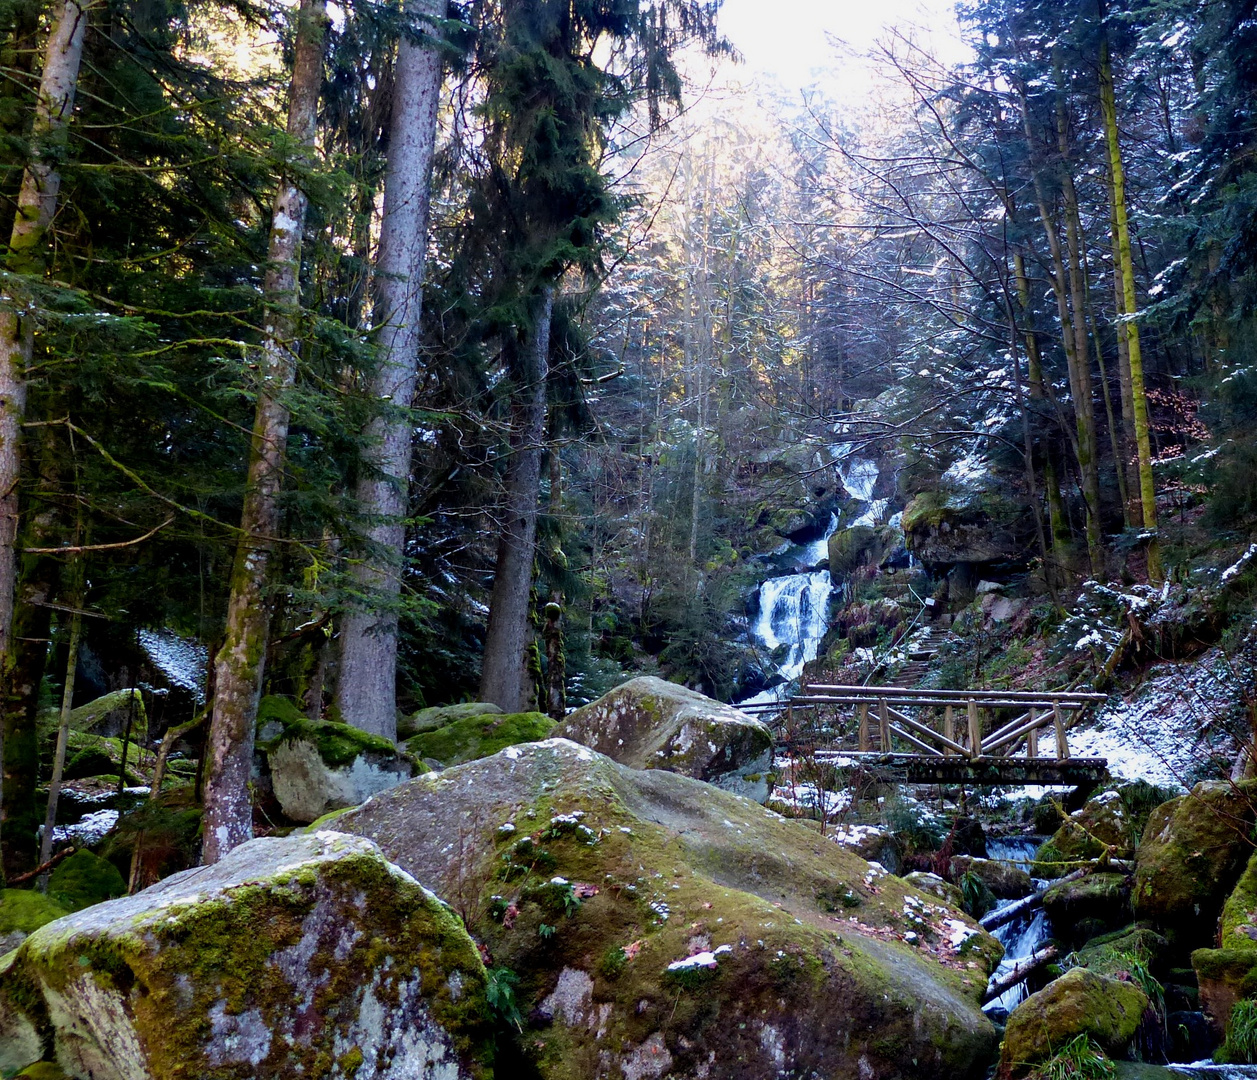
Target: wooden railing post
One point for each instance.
(975, 730)
(1032, 738)
(1062, 746)
(883, 721)
(862, 710)
(949, 728)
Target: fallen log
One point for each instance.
(1007, 914)
(1019, 972)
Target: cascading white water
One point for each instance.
(1022, 936)
(793, 608)
(792, 612)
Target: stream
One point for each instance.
(1024, 935)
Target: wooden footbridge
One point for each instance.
(972, 737)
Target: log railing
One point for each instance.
(880, 718)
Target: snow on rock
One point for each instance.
(92, 829)
(182, 660)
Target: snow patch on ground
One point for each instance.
(1174, 723)
(91, 830)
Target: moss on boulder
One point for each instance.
(1080, 1002)
(318, 765)
(1005, 882)
(22, 912)
(479, 735)
(648, 723)
(1093, 905)
(85, 879)
(1229, 974)
(308, 956)
(659, 926)
(1193, 850)
(437, 716)
(1111, 954)
(936, 886)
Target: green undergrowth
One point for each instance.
(1240, 1046)
(1078, 1059)
(26, 910)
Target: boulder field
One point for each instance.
(655, 926)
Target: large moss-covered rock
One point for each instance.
(1193, 850)
(307, 956)
(647, 723)
(952, 527)
(1113, 953)
(871, 843)
(437, 716)
(22, 912)
(1227, 974)
(659, 926)
(1093, 905)
(478, 736)
(858, 546)
(1080, 1002)
(85, 879)
(1101, 824)
(318, 766)
(1006, 882)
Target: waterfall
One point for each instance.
(792, 612)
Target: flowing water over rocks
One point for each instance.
(1023, 935)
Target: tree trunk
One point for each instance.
(366, 689)
(504, 679)
(1130, 464)
(241, 661)
(1083, 440)
(1139, 400)
(63, 734)
(37, 201)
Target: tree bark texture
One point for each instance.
(37, 202)
(504, 678)
(240, 663)
(366, 689)
(63, 735)
(1121, 227)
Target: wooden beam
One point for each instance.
(883, 723)
(949, 729)
(975, 730)
(1012, 736)
(932, 751)
(922, 729)
(1032, 740)
(1062, 744)
(864, 725)
(960, 695)
(925, 699)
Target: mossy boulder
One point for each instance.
(437, 716)
(88, 754)
(1193, 850)
(478, 736)
(1080, 1002)
(305, 956)
(318, 765)
(1111, 954)
(1005, 882)
(949, 527)
(1093, 905)
(85, 879)
(659, 926)
(1228, 974)
(1102, 824)
(857, 547)
(936, 886)
(647, 723)
(22, 912)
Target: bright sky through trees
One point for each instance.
(800, 42)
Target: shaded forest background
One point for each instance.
(1027, 283)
